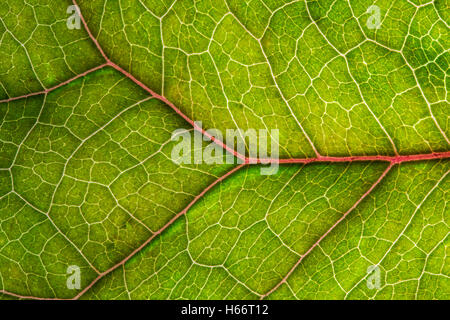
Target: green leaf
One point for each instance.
(357, 209)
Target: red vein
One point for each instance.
(157, 233)
(143, 86)
(329, 230)
(391, 159)
(177, 110)
(55, 87)
(97, 44)
(137, 250)
(26, 297)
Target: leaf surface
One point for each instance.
(86, 171)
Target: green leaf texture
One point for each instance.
(87, 179)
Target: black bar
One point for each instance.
(143, 310)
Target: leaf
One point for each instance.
(87, 177)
